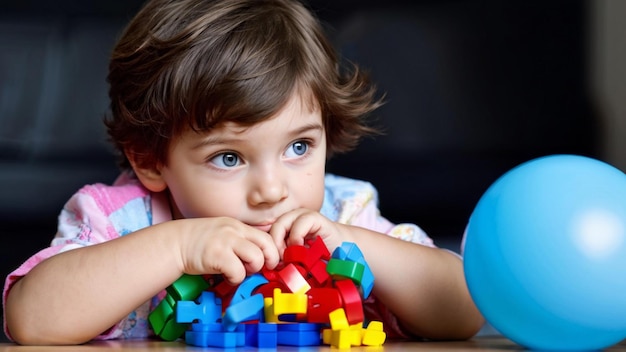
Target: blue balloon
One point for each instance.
(545, 254)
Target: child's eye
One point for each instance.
(297, 149)
(225, 160)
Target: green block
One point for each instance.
(163, 322)
(347, 269)
(187, 287)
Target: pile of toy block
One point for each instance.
(311, 298)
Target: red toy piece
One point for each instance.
(293, 279)
(322, 301)
(352, 302)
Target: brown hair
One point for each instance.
(197, 63)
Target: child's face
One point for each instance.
(253, 174)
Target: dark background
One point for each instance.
(473, 88)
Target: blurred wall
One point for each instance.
(608, 72)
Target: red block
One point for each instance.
(319, 275)
(321, 302)
(267, 290)
(318, 249)
(352, 303)
(291, 276)
(297, 255)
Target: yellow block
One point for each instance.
(374, 334)
(268, 310)
(289, 303)
(338, 319)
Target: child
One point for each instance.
(225, 112)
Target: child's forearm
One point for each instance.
(74, 296)
(424, 287)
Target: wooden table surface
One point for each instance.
(482, 343)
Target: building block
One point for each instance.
(339, 269)
(248, 309)
(206, 327)
(367, 281)
(338, 319)
(356, 334)
(374, 334)
(289, 303)
(187, 287)
(261, 335)
(223, 289)
(351, 252)
(291, 277)
(319, 275)
(298, 255)
(247, 287)
(352, 301)
(161, 314)
(327, 336)
(339, 253)
(212, 335)
(272, 275)
(267, 290)
(268, 304)
(341, 339)
(162, 320)
(317, 249)
(299, 334)
(344, 338)
(322, 301)
(205, 309)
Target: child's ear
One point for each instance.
(150, 177)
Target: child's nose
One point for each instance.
(269, 186)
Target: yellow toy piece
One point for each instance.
(268, 310)
(338, 319)
(341, 339)
(357, 334)
(289, 303)
(374, 334)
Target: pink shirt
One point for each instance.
(99, 213)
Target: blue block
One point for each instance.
(300, 338)
(299, 334)
(248, 309)
(339, 253)
(206, 309)
(367, 281)
(262, 335)
(206, 327)
(291, 318)
(247, 287)
(224, 339)
(350, 251)
(299, 327)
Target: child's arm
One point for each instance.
(76, 295)
(424, 287)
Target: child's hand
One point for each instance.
(225, 246)
(294, 227)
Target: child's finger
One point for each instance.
(304, 226)
(268, 248)
(232, 268)
(280, 231)
(250, 255)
